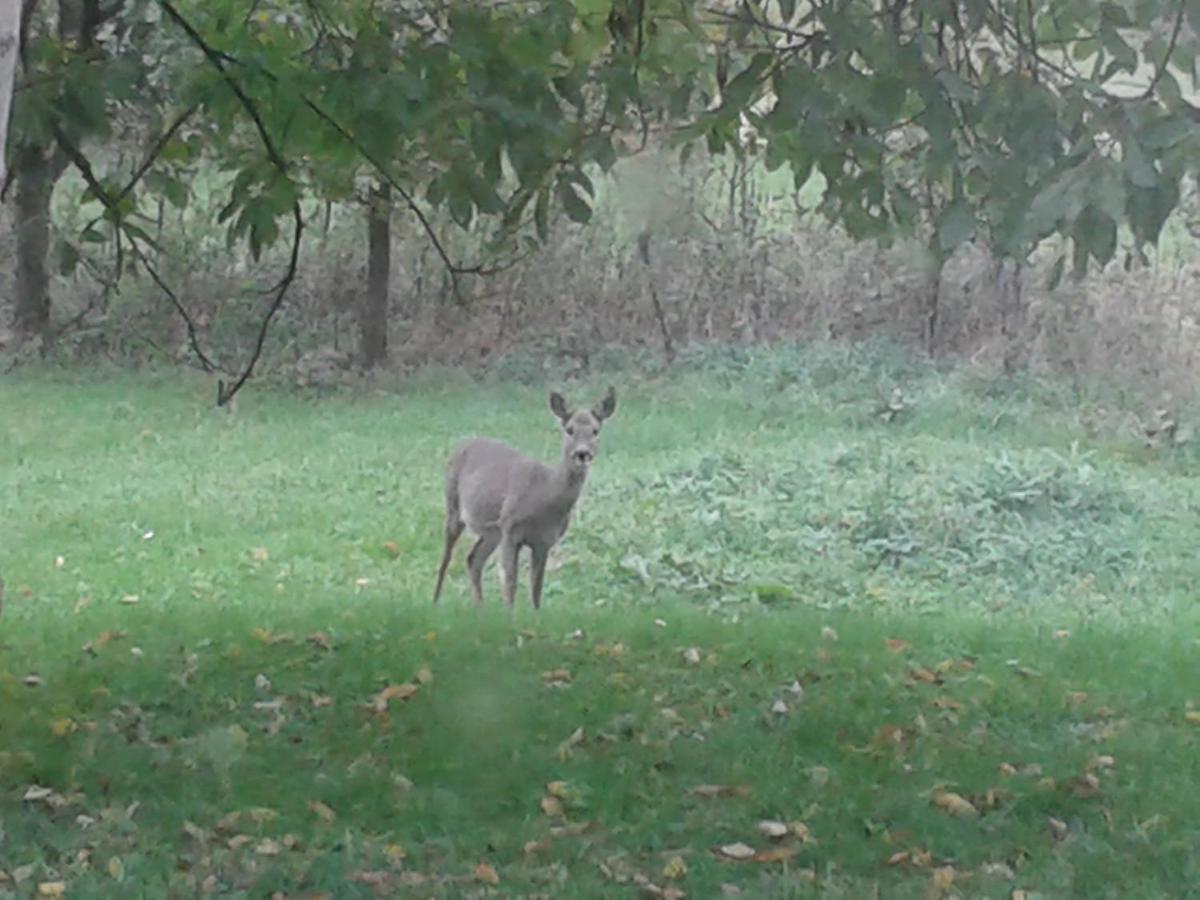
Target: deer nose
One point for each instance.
(583, 456)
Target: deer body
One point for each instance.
(510, 501)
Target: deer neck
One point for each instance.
(568, 481)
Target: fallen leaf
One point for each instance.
(552, 806)
(558, 789)
(32, 680)
(897, 858)
(573, 740)
(116, 869)
(896, 644)
(59, 562)
(773, 829)
(1085, 786)
(268, 847)
(886, 735)
(320, 700)
(485, 874)
(779, 708)
(946, 703)
(260, 554)
(52, 889)
(1019, 894)
(829, 634)
(371, 878)
(361, 582)
(691, 656)
(800, 831)
(36, 792)
(323, 811)
(720, 790)
(1075, 698)
(63, 727)
(320, 639)
(1104, 761)
(943, 878)
(738, 851)
(1058, 828)
(954, 804)
(1061, 634)
(675, 868)
(395, 853)
(532, 847)
(1192, 717)
(775, 854)
(131, 599)
(424, 675)
(557, 677)
(194, 832)
(392, 692)
(391, 548)
(922, 675)
(238, 841)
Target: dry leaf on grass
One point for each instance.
(392, 692)
(675, 868)
(776, 854)
(720, 790)
(1192, 717)
(52, 889)
(552, 806)
(485, 874)
(557, 677)
(391, 548)
(954, 804)
(737, 851)
(320, 639)
(896, 645)
(691, 656)
(323, 811)
(772, 829)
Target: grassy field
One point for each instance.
(787, 648)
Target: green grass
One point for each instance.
(1037, 588)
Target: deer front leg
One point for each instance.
(508, 560)
(537, 572)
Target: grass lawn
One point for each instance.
(787, 648)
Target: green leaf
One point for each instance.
(575, 207)
(1097, 233)
(68, 259)
(1056, 272)
(541, 214)
(956, 225)
(745, 85)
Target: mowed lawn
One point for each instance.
(787, 648)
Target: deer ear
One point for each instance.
(607, 406)
(558, 406)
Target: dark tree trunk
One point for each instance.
(373, 309)
(1008, 277)
(933, 292)
(36, 172)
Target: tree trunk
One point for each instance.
(36, 173)
(933, 290)
(10, 24)
(1008, 277)
(373, 309)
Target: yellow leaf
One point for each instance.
(320, 700)
(62, 727)
(131, 599)
(268, 847)
(552, 806)
(557, 676)
(424, 675)
(955, 804)
(1192, 717)
(116, 869)
(323, 810)
(395, 853)
(52, 889)
(260, 554)
(675, 868)
(485, 874)
(943, 877)
(923, 675)
(238, 841)
(557, 789)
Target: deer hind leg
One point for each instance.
(453, 531)
(478, 557)
(509, 551)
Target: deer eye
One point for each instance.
(570, 431)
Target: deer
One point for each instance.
(511, 501)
